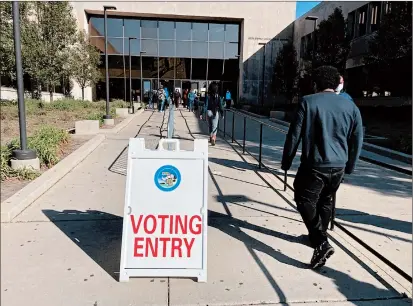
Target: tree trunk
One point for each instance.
(0, 87)
(83, 93)
(51, 96)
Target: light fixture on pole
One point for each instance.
(263, 74)
(23, 157)
(140, 58)
(107, 118)
(313, 18)
(130, 77)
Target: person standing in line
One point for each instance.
(161, 98)
(330, 127)
(191, 99)
(228, 99)
(341, 92)
(214, 109)
(185, 98)
(177, 97)
(150, 99)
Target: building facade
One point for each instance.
(185, 45)
(363, 20)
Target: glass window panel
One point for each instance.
(183, 49)
(216, 32)
(167, 67)
(149, 47)
(183, 30)
(150, 67)
(231, 50)
(200, 31)
(183, 68)
(216, 50)
(116, 89)
(215, 67)
(199, 50)
(135, 46)
(166, 48)
(178, 84)
(136, 85)
(136, 66)
(115, 45)
(132, 28)
(149, 29)
(115, 27)
(166, 30)
(96, 27)
(231, 70)
(232, 32)
(199, 69)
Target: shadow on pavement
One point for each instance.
(356, 216)
(98, 234)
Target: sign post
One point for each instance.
(165, 216)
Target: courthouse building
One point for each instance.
(186, 45)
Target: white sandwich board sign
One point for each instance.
(165, 217)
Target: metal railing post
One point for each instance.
(285, 180)
(225, 124)
(259, 157)
(245, 128)
(233, 126)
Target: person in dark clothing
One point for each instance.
(177, 97)
(213, 107)
(330, 128)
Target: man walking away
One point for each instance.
(341, 92)
(228, 99)
(213, 107)
(161, 98)
(331, 130)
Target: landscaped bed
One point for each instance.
(47, 125)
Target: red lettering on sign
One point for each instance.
(198, 226)
(145, 224)
(153, 247)
(171, 224)
(135, 226)
(189, 246)
(164, 240)
(176, 245)
(163, 218)
(138, 246)
(183, 225)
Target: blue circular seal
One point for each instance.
(167, 178)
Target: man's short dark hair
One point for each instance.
(326, 77)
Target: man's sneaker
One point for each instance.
(321, 254)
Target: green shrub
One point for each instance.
(7, 172)
(46, 142)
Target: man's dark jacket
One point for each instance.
(331, 129)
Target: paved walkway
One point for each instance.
(64, 249)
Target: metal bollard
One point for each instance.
(233, 126)
(245, 129)
(259, 157)
(225, 124)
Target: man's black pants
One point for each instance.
(314, 191)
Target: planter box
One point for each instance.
(87, 127)
(122, 112)
(277, 115)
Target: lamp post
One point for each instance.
(23, 156)
(130, 77)
(107, 117)
(140, 58)
(313, 18)
(263, 74)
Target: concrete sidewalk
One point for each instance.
(64, 249)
